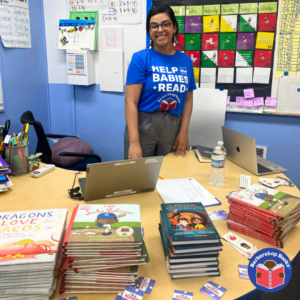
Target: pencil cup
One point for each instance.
(17, 159)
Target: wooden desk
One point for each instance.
(50, 191)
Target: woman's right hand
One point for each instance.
(135, 151)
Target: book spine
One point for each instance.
(70, 226)
(256, 207)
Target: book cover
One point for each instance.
(205, 151)
(31, 237)
(105, 224)
(267, 200)
(269, 274)
(188, 223)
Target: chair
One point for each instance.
(71, 160)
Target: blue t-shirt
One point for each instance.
(167, 79)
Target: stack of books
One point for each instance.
(5, 183)
(31, 252)
(103, 247)
(190, 240)
(263, 213)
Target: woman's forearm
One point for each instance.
(131, 114)
(187, 112)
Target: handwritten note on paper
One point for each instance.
(249, 93)
(239, 101)
(83, 5)
(259, 101)
(15, 24)
(271, 101)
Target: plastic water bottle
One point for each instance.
(218, 158)
(221, 144)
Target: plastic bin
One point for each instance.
(17, 159)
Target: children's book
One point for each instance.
(101, 224)
(266, 200)
(76, 34)
(31, 237)
(188, 224)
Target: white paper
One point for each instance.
(112, 80)
(261, 75)
(76, 64)
(110, 38)
(233, 108)
(83, 5)
(208, 117)
(225, 75)
(186, 190)
(244, 75)
(122, 12)
(208, 85)
(208, 75)
(15, 24)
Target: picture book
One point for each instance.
(188, 224)
(270, 276)
(31, 237)
(76, 34)
(267, 200)
(98, 223)
(88, 16)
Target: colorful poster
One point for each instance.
(195, 57)
(226, 59)
(243, 58)
(267, 22)
(229, 9)
(245, 41)
(248, 22)
(196, 74)
(227, 41)
(269, 7)
(262, 58)
(180, 21)
(211, 23)
(210, 41)
(178, 10)
(229, 23)
(192, 41)
(211, 10)
(192, 24)
(248, 8)
(209, 58)
(194, 10)
(179, 41)
(264, 40)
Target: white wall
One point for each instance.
(134, 40)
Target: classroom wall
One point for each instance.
(25, 78)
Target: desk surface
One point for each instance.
(50, 191)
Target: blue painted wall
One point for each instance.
(24, 77)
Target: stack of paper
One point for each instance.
(5, 183)
(103, 247)
(30, 249)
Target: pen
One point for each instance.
(160, 177)
(16, 139)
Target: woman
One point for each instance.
(159, 92)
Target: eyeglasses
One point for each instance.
(164, 26)
(73, 192)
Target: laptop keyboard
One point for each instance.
(263, 169)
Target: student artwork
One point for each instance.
(229, 9)
(226, 59)
(245, 41)
(229, 23)
(210, 41)
(192, 42)
(209, 58)
(76, 34)
(227, 41)
(267, 22)
(248, 8)
(211, 23)
(262, 58)
(248, 23)
(243, 58)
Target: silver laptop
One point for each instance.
(119, 178)
(241, 149)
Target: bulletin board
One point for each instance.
(223, 36)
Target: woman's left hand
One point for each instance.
(181, 143)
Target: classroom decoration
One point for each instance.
(238, 36)
(15, 24)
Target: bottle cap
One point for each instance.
(286, 73)
(221, 88)
(218, 148)
(220, 143)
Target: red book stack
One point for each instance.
(263, 213)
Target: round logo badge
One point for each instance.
(125, 231)
(270, 270)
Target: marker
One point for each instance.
(16, 139)
(27, 127)
(160, 177)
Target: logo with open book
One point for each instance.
(270, 270)
(169, 104)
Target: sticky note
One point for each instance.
(213, 290)
(145, 284)
(249, 93)
(196, 10)
(243, 271)
(182, 295)
(239, 101)
(271, 101)
(178, 10)
(211, 9)
(248, 103)
(259, 101)
(268, 7)
(228, 100)
(229, 9)
(211, 23)
(265, 40)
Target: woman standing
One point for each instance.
(159, 92)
